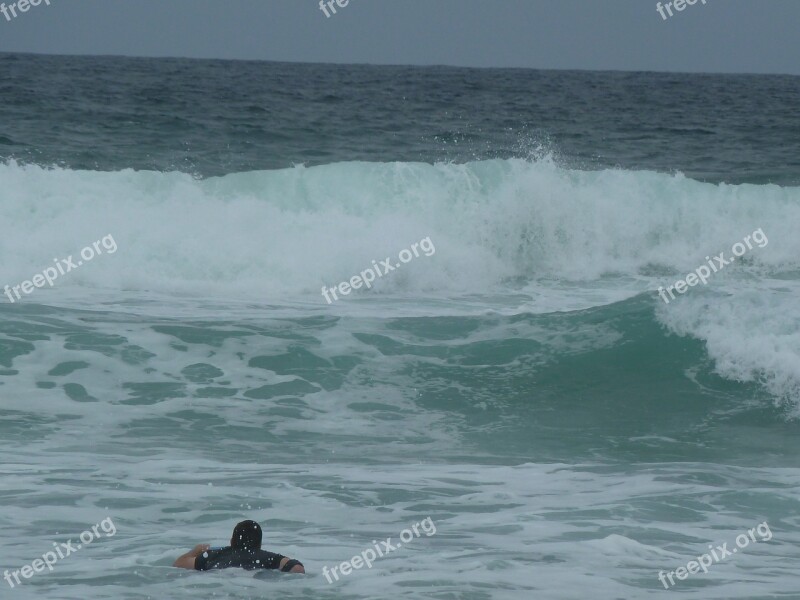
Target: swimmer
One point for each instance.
(244, 552)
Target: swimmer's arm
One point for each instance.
(298, 568)
(187, 560)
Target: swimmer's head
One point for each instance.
(247, 536)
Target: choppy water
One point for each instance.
(524, 386)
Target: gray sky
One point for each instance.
(740, 36)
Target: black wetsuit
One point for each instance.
(228, 557)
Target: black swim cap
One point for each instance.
(247, 536)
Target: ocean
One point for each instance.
(537, 386)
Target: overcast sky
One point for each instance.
(740, 36)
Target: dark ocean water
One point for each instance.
(522, 384)
(213, 118)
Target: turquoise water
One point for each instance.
(524, 386)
